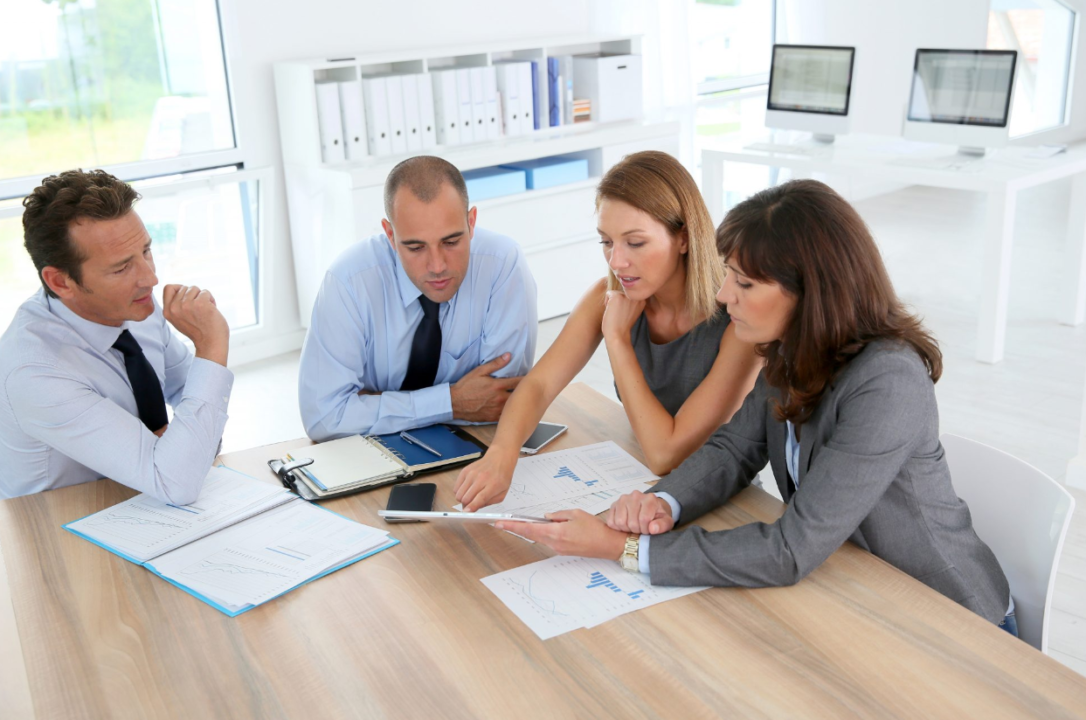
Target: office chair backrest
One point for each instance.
(1023, 515)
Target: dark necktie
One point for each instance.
(425, 349)
(145, 386)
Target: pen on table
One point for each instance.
(415, 441)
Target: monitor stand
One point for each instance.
(823, 138)
(972, 151)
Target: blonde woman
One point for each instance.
(679, 369)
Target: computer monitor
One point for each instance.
(962, 97)
(809, 89)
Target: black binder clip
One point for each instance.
(285, 472)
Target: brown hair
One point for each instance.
(805, 237)
(59, 201)
(657, 184)
(424, 176)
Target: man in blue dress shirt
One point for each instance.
(432, 321)
(89, 363)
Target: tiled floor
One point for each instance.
(1030, 405)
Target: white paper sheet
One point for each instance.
(590, 478)
(561, 594)
(264, 557)
(143, 527)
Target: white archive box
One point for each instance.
(611, 82)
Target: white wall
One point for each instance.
(886, 36)
(259, 33)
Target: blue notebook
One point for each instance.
(455, 447)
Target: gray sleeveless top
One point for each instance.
(673, 370)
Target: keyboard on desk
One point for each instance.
(785, 149)
(960, 163)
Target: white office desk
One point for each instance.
(1000, 175)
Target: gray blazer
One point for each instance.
(871, 470)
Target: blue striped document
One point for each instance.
(242, 543)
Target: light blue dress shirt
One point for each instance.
(68, 415)
(364, 322)
(791, 453)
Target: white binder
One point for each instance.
(331, 125)
(493, 113)
(397, 126)
(509, 87)
(412, 131)
(463, 95)
(446, 107)
(527, 100)
(427, 121)
(478, 103)
(354, 119)
(376, 99)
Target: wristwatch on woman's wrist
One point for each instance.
(629, 559)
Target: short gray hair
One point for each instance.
(424, 176)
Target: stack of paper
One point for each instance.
(252, 563)
(143, 528)
(588, 478)
(242, 543)
(560, 594)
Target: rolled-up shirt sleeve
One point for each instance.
(68, 414)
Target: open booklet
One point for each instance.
(363, 462)
(242, 543)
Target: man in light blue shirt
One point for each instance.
(88, 363)
(432, 321)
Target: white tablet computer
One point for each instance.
(461, 516)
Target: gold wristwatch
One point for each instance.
(629, 559)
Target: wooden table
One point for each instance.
(412, 633)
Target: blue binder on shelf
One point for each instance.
(537, 106)
(554, 94)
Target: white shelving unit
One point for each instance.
(335, 205)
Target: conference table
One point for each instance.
(412, 632)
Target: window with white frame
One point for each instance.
(140, 89)
(732, 43)
(1043, 33)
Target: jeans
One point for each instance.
(1009, 623)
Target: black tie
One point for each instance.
(145, 386)
(425, 349)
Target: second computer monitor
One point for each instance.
(961, 97)
(810, 88)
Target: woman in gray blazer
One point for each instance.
(844, 412)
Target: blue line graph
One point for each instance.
(598, 579)
(549, 606)
(564, 471)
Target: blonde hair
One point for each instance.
(657, 184)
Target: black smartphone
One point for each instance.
(416, 496)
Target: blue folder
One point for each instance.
(231, 613)
(453, 448)
(535, 95)
(552, 92)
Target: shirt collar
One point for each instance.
(409, 292)
(99, 337)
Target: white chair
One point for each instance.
(1023, 515)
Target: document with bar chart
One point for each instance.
(588, 478)
(561, 594)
